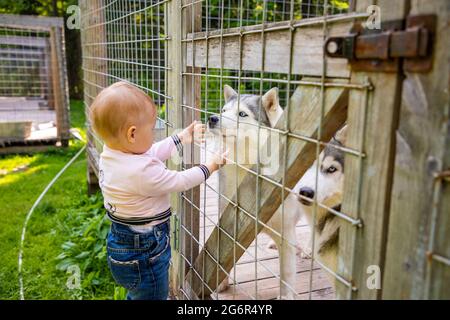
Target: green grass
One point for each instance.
(67, 228)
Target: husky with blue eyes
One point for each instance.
(243, 126)
(323, 183)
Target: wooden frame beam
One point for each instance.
(192, 94)
(304, 117)
(59, 84)
(308, 44)
(172, 27)
(30, 22)
(41, 42)
(372, 122)
(420, 199)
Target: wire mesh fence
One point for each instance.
(257, 267)
(25, 63)
(124, 41)
(269, 224)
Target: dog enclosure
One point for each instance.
(34, 101)
(330, 70)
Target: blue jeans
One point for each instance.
(139, 262)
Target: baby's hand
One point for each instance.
(195, 131)
(217, 159)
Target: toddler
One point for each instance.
(136, 185)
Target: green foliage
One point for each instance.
(36, 7)
(86, 247)
(120, 293)
(250, 12)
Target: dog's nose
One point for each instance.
(307, 192)
(213, 120)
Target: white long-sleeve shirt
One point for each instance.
(136, 187)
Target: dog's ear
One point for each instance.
(270, 100)
(228, 93)
(341, 135)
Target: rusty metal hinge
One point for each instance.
(382, 50)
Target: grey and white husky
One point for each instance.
(250, 112)
(324, 183)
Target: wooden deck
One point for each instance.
(249, 273)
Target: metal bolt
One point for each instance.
(332, 47)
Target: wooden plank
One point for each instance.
(172, 27)
(94, 35)
(36, 42)
(307, 41)
(30, 22)
(264, 253)
(29, 149)
(31, 53)
(269, 288)
(89, 93)
(263, 239)
(55, 41)
(245, 272)
(320, 294)
(374, 121)
(423, 139)
(192, 92)
(304, 115)
(63, 110)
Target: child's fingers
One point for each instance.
(222, 157)
(192, 125)
(199, 130)
(200, 127)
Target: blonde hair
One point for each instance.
(118, 107)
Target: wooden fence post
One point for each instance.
(374, 121)
(190, 216)
(173, 29)
(95, 17)
(420, 199)
(59, 84)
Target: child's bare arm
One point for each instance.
(157, 180)
(163, 150)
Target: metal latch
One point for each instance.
(381, 50)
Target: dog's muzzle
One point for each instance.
(307, 193)
(213, 121)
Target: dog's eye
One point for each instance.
(331, 169)
(243, 114)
